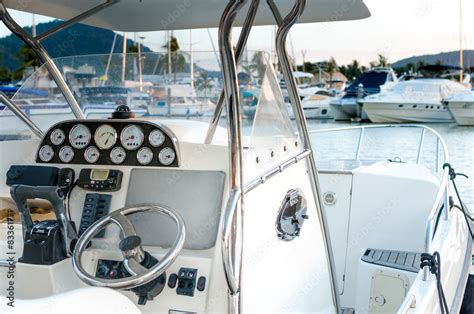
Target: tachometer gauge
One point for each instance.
(46, 153)
(132, 137)
(57, 137)
(156, 138)
(144, 156)
(92, 154)
(66, 154)
(167, 156)
(105, 136)
(79, 136)
(117, 155)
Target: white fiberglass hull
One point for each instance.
(181, 110)
(379, 112)
(462, 112)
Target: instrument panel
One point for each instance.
(109, 142)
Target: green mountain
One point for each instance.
(446, 58)
(79, 39)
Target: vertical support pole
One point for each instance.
(359, 144)
(234, 128)
(43, 56)
(295, 99)
(437, 155)
(420, 146)
(242, 42)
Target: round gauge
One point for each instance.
(166, 156)
(91, 154)
(79, 136)
(46, 153)
(132, 137)
(66, 154)
(156, 138)
(117, 155)
(144, 156)
(105, 136)
(57, 137)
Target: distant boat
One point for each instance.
(371, 82)
(316, 106)
(461, 106)
(412, 101)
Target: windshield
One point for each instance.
(182, 86)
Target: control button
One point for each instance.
(201, 284)
(172, 281)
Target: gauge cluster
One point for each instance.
(109, 142)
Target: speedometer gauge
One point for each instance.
(144, 156)
(57, 137)
(91, 154)
(117, 155)
(105, 136)
(156, 138)
(79, 136)
(132, 137)
(66, 154)
(46, 153)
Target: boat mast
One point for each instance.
(109, 60)
(461, 63)
(191, 62)
(124, 54)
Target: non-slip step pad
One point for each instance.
(407, 261)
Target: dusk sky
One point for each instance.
(397, 29)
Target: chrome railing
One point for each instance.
(442, 196)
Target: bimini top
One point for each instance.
(154, 15)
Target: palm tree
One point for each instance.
(204, 82)
(382, 60)
(331, 67)
(178, 60)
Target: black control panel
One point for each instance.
(186, 281)
(108, 269)
(96, 206)
(103, 180)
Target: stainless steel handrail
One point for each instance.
(442, 196)
(20, 114)
(232, 236)
(241, 43)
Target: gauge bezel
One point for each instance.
(87, 150)
(51, 136)
(97, 137)
(145, 149)
(122, 135)
(60, 153)
(163, 152)
(72, 131)
(117, 148)
(150, 137)
(46, 147)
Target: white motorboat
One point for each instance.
(412, 101)
(347, 106)
(182, 102)
(316, 106)
(461, 106)
(182, 216)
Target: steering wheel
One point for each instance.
(131, 248)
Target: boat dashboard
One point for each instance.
(109, 142)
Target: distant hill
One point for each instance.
(445, 58)
(79, 39)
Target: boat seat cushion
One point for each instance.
(83, 300)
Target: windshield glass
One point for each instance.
(154, 85)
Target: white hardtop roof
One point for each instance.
(155, 15)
